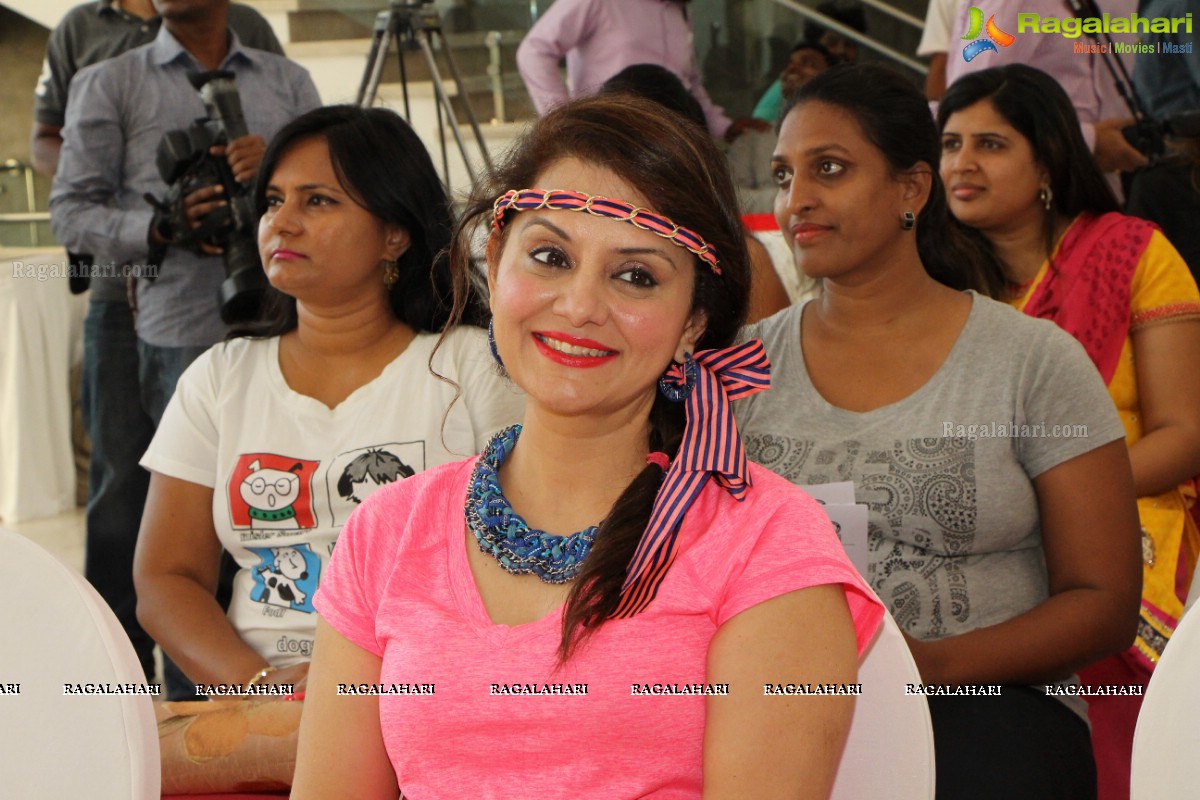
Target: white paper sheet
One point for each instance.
(850, 522)
(849, 519)
(841, 493)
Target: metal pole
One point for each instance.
(492, 40)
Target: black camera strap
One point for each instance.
(1146, 134)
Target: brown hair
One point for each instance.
(681, 173)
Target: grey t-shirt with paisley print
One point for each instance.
(947, 472)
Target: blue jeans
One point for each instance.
(120, 432)
(159, 369)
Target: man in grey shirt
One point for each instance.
(94, 32)
(88, 34)
(118, 113)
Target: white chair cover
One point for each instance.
(1167, 739)
(41, 330)
(1194, 592)
(890, 750)
(55, 630)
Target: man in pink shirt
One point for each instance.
(1086, 80)
(599, 38)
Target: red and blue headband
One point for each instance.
(567, 200)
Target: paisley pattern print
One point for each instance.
(922, 499)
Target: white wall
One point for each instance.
(46, 13)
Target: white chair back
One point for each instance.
(56, 630)
(1194, 591)
(890, 750)
(1167, 738)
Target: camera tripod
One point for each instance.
(409, 24)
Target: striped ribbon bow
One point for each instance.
(711, 447)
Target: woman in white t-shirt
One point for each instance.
(275, 436)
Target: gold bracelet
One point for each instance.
(258, 676)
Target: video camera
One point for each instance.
(1149, 135)
(185, 163)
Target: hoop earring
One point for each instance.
(391, 273)
(492, 345)
(679, 380)
(1046, 195)
(908, 221)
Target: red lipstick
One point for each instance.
(601, 353)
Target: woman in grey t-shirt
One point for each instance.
(1003, 530)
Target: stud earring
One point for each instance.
(679, 380)
(391, 273)
(492, 345)
(908, 221)
(1046, 195)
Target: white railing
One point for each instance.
(29, 217)
(864, 40)
(907, 19)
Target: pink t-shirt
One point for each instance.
(399, 585)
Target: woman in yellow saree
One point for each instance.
(1017, 169)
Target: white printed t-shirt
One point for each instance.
(286, 470)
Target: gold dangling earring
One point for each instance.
(1046, 195)
(391, 273)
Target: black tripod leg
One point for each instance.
(454, 73)
(441, 128)
(403, 76)
(444, 101)
(380, 40)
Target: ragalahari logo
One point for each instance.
(975, 27)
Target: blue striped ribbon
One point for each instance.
(711, 447)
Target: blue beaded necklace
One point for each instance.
(504, 535)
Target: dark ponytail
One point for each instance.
(679, 170)
(597, 591)
(895, 117)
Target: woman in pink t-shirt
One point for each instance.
(467, 648)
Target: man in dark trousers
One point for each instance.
(119, 110)
(88, 34)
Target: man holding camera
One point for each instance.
(118, 112)
(119, 430)
(96, 31)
